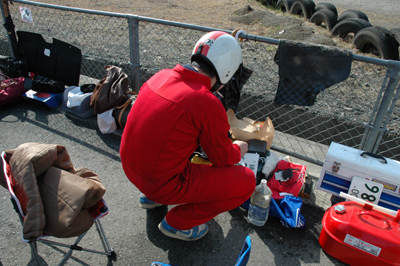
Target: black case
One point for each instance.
(258, 146)
(57, 60)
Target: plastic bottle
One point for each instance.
(260, 204)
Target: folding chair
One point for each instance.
(244, 253)
(241, 261)
(98, 210)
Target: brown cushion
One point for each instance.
(65, 197)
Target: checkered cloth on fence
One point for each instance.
(231, 91)
(307, 69)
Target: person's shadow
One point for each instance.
(213, 249)
(293, 246)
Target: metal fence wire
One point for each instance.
(359, 112)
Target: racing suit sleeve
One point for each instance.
(214, 139)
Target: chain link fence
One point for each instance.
(360, 112)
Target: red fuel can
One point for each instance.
(356, 234)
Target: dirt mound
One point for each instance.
(281, 26)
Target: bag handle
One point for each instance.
(7, 77)
(123, 107)
(376, 156)
(6, 85)
(385, 224)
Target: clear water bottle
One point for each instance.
(260, 204)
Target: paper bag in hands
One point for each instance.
(247, 129)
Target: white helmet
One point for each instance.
(222, 51)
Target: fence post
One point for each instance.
(134, 51)
(373, 134)
(9, 25)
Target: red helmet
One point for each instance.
(222, 51)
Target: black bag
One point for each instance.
(44, 84)
(13, 68)
(120, 113)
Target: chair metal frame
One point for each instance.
(108, 251)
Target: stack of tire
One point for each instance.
(351, 24)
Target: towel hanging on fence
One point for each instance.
(307, 69)
(232, 90)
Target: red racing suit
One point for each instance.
(174, 113)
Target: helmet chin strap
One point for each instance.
(216, 86)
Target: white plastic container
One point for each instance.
(260, 204)
(343, 163)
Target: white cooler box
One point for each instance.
(361, 174)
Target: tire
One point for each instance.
(284, 5)
(394, 45)
(326, 17)
(328, 6)
(373, 41)
(396, 34)
(350, 25)
(271, 3)
(352, 14)
(303, 8)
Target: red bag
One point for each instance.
(288, 179)
(11, 89)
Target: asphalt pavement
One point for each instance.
(132, 232)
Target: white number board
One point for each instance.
(365, 189)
